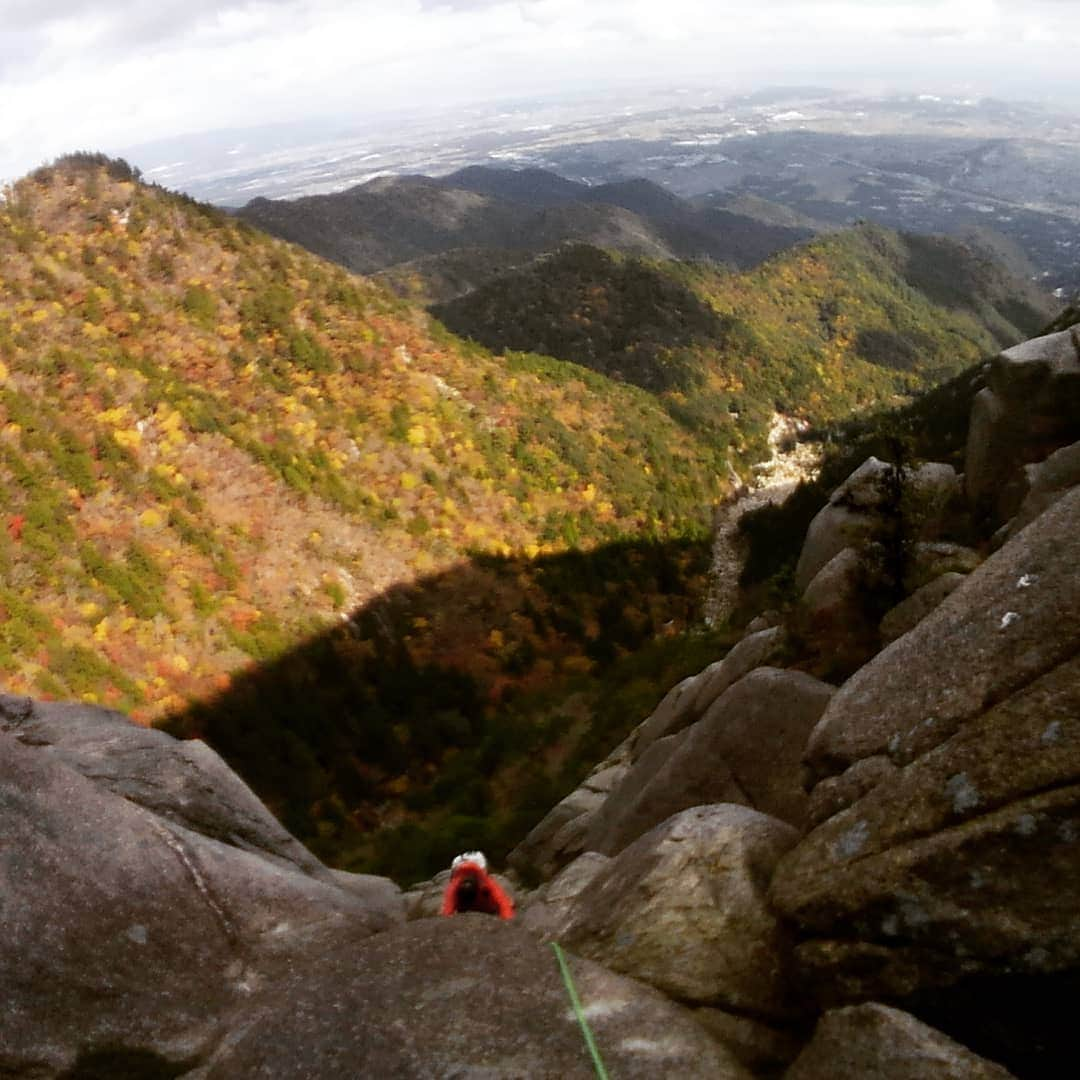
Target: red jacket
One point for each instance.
(472, 888)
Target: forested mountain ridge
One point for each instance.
(394, 220)
(833, 325)
(213, 445)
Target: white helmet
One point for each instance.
(476, 857)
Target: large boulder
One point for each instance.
(691, 698)
(837, 610)
(465, 997)
(547, 908)
(870, 503)
(1030, 407)
(1042, 372)
(126, 935)
(875, 1042)
(1046, 482)
(684, 909)
(182, 781)
(747, 749)
(949, 872)
(911, 611)
(1013, 619)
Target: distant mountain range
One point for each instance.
(827, 326)
(514, 214)
(923, 162)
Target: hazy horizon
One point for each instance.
(113, 76)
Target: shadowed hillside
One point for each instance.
(450, 713)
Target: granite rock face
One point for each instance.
(1030, 407)
(943, 871)
(971, 850)
(684, 909)
(1013, 619)
(864, 506)
(746, 749)
(128, 932)
(911, 611)
(466, 997)
(875, 1042)
(182, 781)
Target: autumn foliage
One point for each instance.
(213, 445)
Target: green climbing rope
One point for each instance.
(590, 1042)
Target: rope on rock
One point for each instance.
(590, 1042)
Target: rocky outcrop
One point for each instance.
(560, 836)
(572, 825)
(184, 782)
(943, 868)
(868, 505)
(550, 905)
(683, 908)
(468, 996)
(695, 695)
(1030, 407)
(746, 749)
(126, 932)
(934, 849)
(875, 1042)
(1012, 620)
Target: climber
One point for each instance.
(472, 888)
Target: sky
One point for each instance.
(108, 74)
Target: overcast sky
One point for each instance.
(106, 74)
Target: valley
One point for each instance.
(409, 584)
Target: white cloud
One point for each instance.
(108, 73)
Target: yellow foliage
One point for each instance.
(128, 437)
(496, 639)
(577, 665)
(424, 562)
(150, 519)
(417, 436)
(409, 480)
